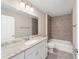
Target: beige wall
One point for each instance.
(61, 27)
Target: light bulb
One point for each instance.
(22, 4)
(32, 9)
(27, 7)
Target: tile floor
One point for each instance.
(60, 55)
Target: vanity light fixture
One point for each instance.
(27, 7)
(32, 9)
(22, 4)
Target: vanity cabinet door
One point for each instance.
(19, 56)
(33, 55)
(42, 51)
(37, 52)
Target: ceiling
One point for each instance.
(54, 7)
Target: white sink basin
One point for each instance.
(29, 42)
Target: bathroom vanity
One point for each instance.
(17, 24)
(31, 49)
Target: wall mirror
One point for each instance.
(15, 23)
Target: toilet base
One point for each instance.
(50, 50)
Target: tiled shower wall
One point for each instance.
(61, 27)
(49, 27)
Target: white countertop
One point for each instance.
(14, 49)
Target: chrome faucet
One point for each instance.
(27, 37)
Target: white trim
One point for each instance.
(46, 25)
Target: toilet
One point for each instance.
(51, 46)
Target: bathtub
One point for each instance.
(62, 45)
